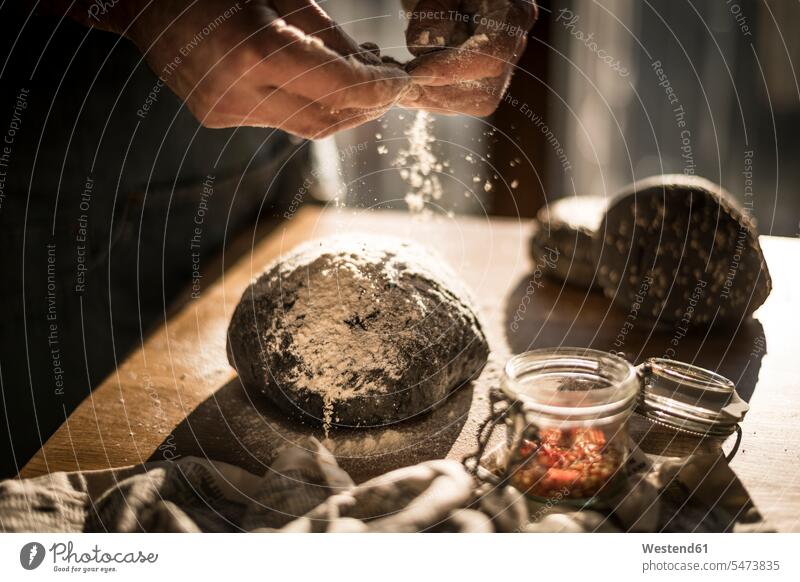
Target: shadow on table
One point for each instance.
(541, 313)
(242, 428)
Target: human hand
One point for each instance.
(465, 52)
(266, 63)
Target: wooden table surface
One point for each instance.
(177, 395)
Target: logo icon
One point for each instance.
(31, 555)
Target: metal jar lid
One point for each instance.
(688, 398)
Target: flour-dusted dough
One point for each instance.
(359, 330)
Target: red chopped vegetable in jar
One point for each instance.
(566, 463)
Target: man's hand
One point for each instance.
(273, 63)
(465, 52)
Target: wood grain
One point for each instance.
(177, 395)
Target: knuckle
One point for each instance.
(269, 39)
(258, 50)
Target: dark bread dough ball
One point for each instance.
(568, 226)
(356, 331)
(678, 248)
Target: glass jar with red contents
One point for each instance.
(566, 413)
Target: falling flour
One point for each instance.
(419, 167)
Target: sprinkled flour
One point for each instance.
(419, 167)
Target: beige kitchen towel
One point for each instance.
(306, 491)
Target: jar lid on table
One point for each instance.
(689, 399)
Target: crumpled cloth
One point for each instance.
(306, 491)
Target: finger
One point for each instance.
(372, 49)
(271, 107)
(478, 98)
(300, 64)
(431, 25)
(477, 58)
(309, 17)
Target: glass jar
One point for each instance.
(566, 412)
(570, 437)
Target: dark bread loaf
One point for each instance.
(568, 227)
(679, 248)
(356, 331)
